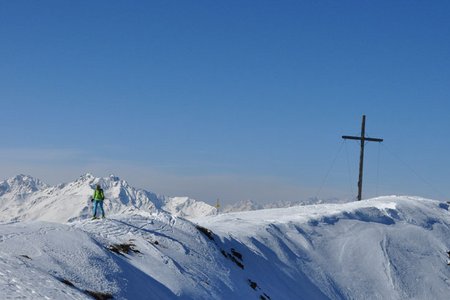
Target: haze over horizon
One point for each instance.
(232, 100)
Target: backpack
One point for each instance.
(98, 195)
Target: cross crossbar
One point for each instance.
(347, 137)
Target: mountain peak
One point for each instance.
(22, 178)
(21, 185)
(86, 177)
(114, 177)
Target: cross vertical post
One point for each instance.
(363, 140)
(361, 157)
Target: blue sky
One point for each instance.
(228, 99)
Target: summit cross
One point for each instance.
(363, 139)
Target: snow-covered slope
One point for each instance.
(26, 198)
(139, 256)
(384, 248)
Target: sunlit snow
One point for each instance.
(390, 247)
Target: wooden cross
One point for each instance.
(363, 139)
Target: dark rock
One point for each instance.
(67, 282)
(209, 234)
(236, 254)
(99, 295)
(123, 248)
(252, 284)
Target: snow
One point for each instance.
(188, 208)
(391, 247)
(71, 201)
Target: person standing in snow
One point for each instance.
(98, 201)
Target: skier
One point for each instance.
(98, 201)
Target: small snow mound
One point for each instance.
(188, 208)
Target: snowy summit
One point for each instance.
(157, 247)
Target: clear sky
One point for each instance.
(228, 99)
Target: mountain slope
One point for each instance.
(389, 247)
(166, 258)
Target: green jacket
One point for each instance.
(98, 195)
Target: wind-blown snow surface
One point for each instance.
(389, 247)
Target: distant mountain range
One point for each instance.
(248, 205)
(26, 198)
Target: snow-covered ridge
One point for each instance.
(384, 248)
(26, 198)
